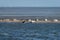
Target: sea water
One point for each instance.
(30, 11)
(29, 31)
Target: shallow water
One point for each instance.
(29, 31)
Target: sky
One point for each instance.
(29, 3)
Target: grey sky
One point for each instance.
(29, 3)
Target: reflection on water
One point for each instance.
(30, 31)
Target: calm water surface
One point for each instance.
(30, 31)
(30, 11)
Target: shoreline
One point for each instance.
(31, 20)
(27, 22)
